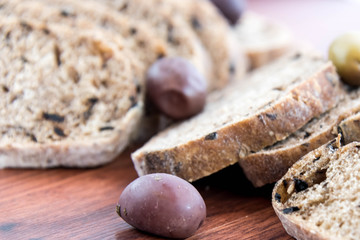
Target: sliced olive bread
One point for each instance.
(246, 116)
(229, 59)
(69, 96)
(270, 164)
(216, 35)
(141, 37)
(319, 197)
(201, 19)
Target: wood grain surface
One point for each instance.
(80, 204)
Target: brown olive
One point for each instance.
(344, 52)
(176, 87)
(162, 204)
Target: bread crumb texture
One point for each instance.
(325, 200)
(63, 93)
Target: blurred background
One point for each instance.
(315, 22)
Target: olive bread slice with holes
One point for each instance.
(319, 197)
(270, 164)
(246, 116)
(68, 97)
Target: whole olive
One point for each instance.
(231, 9)
(176, 87)
(344, 52)
(162, 204)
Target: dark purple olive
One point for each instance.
(162, 204)
(176, 87)
(231, 9)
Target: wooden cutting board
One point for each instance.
(80, 204)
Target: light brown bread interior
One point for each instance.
(143, 40)
(319, 197)
(69, 97)
(202, 20)
(168, 26)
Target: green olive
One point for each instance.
(344, 52)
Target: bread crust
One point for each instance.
(268, 166)
(298, 230)
(82, 154)
(350, 129)
(261, 57)
(200, 157)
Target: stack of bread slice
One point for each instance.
(271, 163)
(244, 117)
(73, 72)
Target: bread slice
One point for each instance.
(201, 19)
(270, 164)
(263, 40)
(246, 116)
(69, 97)
(168, 26)
(319, 197)
(229, 59)
(141, 38)
(350, 129)
(228, 56)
